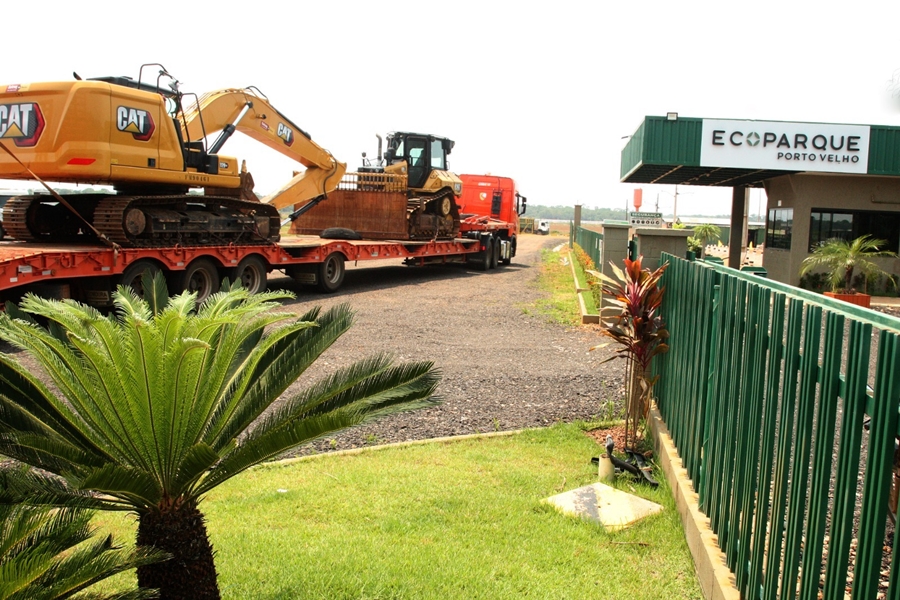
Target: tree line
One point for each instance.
(567, 213)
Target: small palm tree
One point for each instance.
(706, 233)
(51, 553)
(162, 401)
(841, 258)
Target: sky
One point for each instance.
(545, 93)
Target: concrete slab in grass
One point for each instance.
(612, 508)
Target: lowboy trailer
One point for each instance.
(90, 273)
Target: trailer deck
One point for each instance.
(24, 263)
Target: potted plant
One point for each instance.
(841, 258)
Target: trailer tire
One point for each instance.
(339, 233)
(331, 273)
(495, 253)
(202, 277)
(251, 274)
(132, 276)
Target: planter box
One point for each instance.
(863, 300)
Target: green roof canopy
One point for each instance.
(691, 151)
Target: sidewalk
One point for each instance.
(885, 301)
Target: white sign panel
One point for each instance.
(817, 147)
(645, 219)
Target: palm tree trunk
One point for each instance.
(179, 530)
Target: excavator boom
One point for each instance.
(248, 111)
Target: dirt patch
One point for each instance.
(617, 433)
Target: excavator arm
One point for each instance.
(248, 111)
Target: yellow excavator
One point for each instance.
(159, 149)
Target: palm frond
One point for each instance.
(195, 463)
(275, 442)
(136, 486)
(156, 293)
(49, 554)
(67, 368)
(26, 404)
(24, 485)
(130, 306)
(274, 369)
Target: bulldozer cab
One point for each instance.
(422, 153)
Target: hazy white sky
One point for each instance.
(541, 92)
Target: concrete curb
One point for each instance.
(716, 580)
(586, 317)
(441, 440)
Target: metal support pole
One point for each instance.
(738, 222)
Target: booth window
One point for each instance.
(825, 226)
(848, 225)
(779, 227)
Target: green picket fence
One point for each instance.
(786, 427)
(590, 241)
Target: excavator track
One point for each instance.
(15, 218)
(143, 221)
(42, 218)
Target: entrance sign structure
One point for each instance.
(785, 146)
(810, 171)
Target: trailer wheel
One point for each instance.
(331, 273)
(495, 253)
(251, 273)
(132, 276)
(200, 277)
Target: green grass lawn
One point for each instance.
(438, 520)
(560, 305)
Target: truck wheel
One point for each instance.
(495, 254)
(132, 276)
(251, 273)
(331, 273)
(484, 262)
(200, 277)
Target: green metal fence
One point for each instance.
(590, 241)
(786, 426)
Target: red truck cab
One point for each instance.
(492, 196)
(495, 200)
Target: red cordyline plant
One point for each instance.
(639, 331)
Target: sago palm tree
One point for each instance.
(52, 553)
(161, 402)
(841, 258)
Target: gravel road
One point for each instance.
(502, 369)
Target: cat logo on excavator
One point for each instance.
(135, 121)
(285, 133)
(22, 122)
